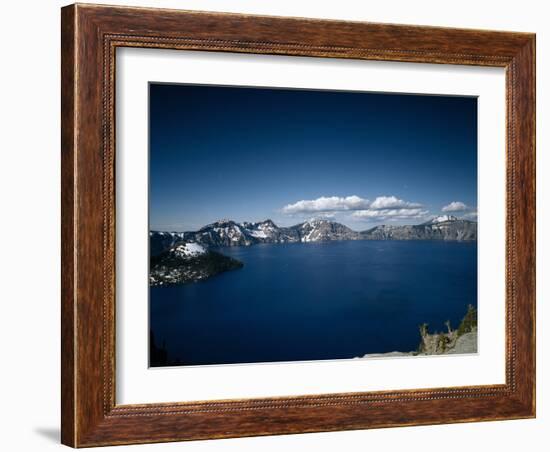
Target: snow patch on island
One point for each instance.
(190, 249)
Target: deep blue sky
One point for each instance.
(246, 153)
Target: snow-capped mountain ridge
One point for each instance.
(445, 227)
(442, 219)
(230, 233)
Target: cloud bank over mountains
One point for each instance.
(391, 202)
(389, 214)
(326, 204)
(382, 208)
(461, 208)
(455, 206)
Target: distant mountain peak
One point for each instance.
(223, 221)
(219, 224)
(317, 221)
(442, 219)
(265, 223)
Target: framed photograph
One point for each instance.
(281, 225)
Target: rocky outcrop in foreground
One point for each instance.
(466, 343)
(452, 342)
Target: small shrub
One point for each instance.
(441, 343)
(469, 322)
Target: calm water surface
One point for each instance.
(316, 301)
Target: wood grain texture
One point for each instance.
(67, 225)
(90, 36)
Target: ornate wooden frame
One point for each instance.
(90, 35)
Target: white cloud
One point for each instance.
(323, 216)
(461, 209)
(391, 214)
(391, 202)
(455, 206)
(327, 204)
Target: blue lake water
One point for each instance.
(315, 301)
